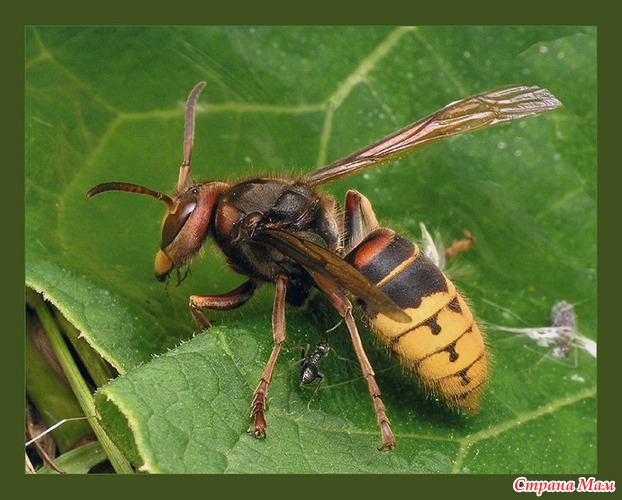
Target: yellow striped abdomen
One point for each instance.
(442, 344)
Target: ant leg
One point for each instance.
(258, 406)
(305, 353)
(230, 300)
(317, 388)
(359, 219)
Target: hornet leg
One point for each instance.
(258, 406)
(359, 219)
(344, 308)
(230, 300)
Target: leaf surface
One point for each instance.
(106, 104)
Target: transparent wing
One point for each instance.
(318, 260)
(482, 110)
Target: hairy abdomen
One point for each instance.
(442, 345)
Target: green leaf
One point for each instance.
(78, 461)
(105, 104)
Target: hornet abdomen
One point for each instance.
(442, 345)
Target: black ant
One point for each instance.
(309, 361)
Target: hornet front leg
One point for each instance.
(223, 302)
(258, 406)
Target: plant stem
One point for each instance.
(79, 386)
